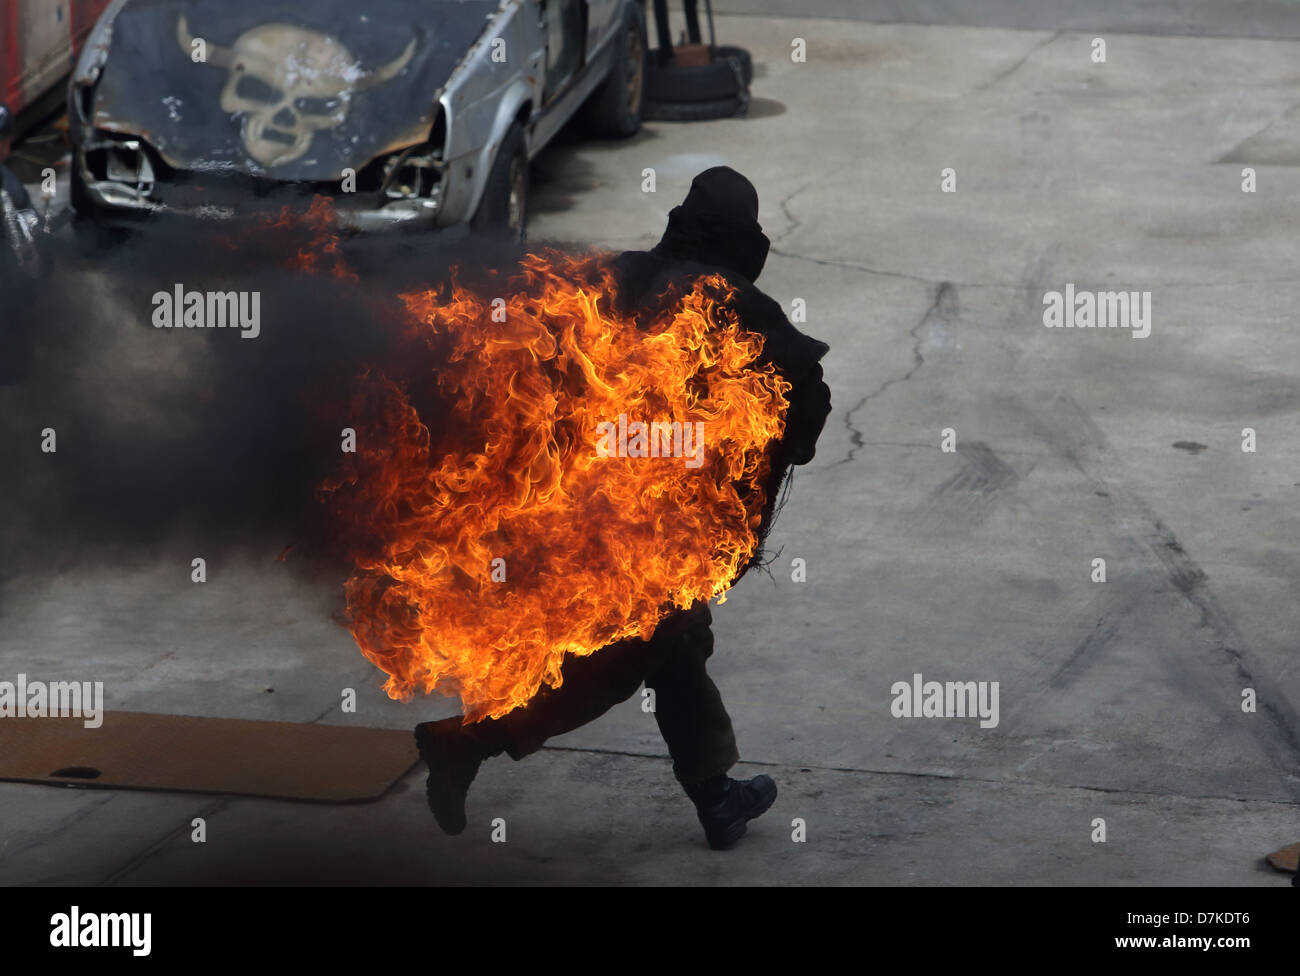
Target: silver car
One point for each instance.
(407, 113)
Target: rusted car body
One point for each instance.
(397, 109)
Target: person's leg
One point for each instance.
(691, 716)
(697, 729)
(692, 13)
(661, 28)
(592, 685)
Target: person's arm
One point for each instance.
(798, 359)
(810, 405)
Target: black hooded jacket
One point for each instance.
(716, 230)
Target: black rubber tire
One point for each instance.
(610, 111)
(722, 108)
(493, 216)
(696, 83)
(731, 52)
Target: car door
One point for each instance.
(601, 14)
(566, 33)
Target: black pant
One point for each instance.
(688, 708)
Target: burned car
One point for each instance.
(407, 113)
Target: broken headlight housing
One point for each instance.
(120, 169)
(411, 182)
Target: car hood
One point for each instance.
(290, 90)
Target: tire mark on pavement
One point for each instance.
(1080, 442)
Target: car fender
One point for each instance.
(90, 62)
(467, 172)
(484, 97)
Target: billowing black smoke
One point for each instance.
(202, 435)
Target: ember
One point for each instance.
(321, 221)
(501, 537)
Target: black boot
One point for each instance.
(454, 756)
(726, 805)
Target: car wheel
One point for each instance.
(614, 109)
(504, 207)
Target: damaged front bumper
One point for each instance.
(122, 180)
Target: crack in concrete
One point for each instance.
(794, 222)
(953, 777)
(59, 826)
(925, 121)
(1001, 76)
(330, 709)
(944, 301)
(866, 269)
(850, 266)
(919, 446)
(149, 851)
(1189, 579)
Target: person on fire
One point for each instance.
(715, 230)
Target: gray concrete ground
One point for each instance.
(1195, 18)
(1118, 700)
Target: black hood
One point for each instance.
(717, 224)
(335, 82)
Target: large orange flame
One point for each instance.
(595, 548)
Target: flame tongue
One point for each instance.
(509, 539)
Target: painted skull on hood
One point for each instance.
(288, 83)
